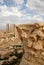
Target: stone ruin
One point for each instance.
(34, 45)
(32, 38)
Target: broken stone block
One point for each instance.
(38, 45)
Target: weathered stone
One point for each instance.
(38, 45)
(42, 53)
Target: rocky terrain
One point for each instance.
(34, 45)
(11, 52)
(28, 38)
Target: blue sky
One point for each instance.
(21, 11)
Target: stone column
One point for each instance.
(7, 28)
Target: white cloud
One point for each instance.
(7, 11)
(16, 12)
(20, 20)
(14, 15)
(19, 1)
(1, 1)
(36, 5)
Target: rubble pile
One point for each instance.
(11, 52)
(12, 56)
(34, 45)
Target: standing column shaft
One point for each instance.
(7, 28)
